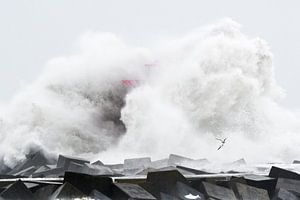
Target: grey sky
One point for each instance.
(33, 31)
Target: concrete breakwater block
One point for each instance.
(98, 162)
(159, 163)
(96, 195)
(277, 172)
(45, 192)
(249, 192)
(17, 190)
(130, 191)
(178, 160)
(166, 180)
(64, 161)
(90, 169)
(26, 172)
(257, 181)
(35, 160)
(67, 191)
(263, 182)
(135, 163)
(170, 183)
(40, 178)
(50, 173)
(282, 194)
(87, 183)
(163, 182)
(217, 192)
(289, 184)
(191, 170)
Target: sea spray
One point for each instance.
(213, 82)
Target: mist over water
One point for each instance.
(213, 82)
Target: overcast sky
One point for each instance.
(33, 31)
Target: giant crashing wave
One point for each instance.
(213, 82)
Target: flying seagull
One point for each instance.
(222, 143)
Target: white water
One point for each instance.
(213, 82)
